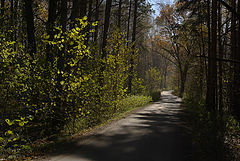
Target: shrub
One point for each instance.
(156, 95)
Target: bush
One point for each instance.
(119, 107)
(207, 136)
(131, 102)
(153, 79)
(156, 95)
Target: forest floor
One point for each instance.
(156, 132)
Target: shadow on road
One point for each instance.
(156, 133)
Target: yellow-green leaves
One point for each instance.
(95, 23)
(9, 122)
(9, 132)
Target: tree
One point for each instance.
(2, 12)
(133, 40)
(30, 28)
(52, 16)
(119, 13)
(106, 26)
(174, 41)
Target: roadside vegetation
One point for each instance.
(212, 139)
(201, 40)
(66, 68)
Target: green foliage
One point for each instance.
(41, 98)
(132, 102)
(117, 108)
(232, 137)
(206, 132)
(155, 95)
(153, 80)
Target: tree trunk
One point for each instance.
(30, 27)
(2, 13)
(183, 78)
(119, 14)
(96, 19)
(212, 75)
(213, 104)
(2, 7)
(90, 4)
(209, 53)
(89, 36)
(64, 12)
(233, 54)
(133, 47)
(129, 18)
(52, 16)
(83, 8)
(106, 26)
(220, 48)
(60, 60)
(12, 12)
(75, 12)
(79, 10)
(236, 81)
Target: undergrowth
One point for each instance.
(214, 138)
(118, 110)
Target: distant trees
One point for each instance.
(201, 37)
(219, 31)
(174, 42)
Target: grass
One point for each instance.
(82, 126)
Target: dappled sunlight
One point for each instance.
(153, 133)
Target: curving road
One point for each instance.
(154, 133)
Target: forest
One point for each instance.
(67, 66)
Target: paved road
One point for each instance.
(155, 133)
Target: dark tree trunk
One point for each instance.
(90, 12)
(129, 18)
(209, 53)
(133, 47)
(212, 66)
(212, 104)
(75, 11)
(60, 60)
(30, 27)
(183, 78)
(165, 75)
(12, 12)
(2, 13)
(119, 14)
(52, 16)
(106, 26)
(233, 54)
(79, 10)
(236, 81)
(2, 7)
(96, 19)
(220, 48)
(89, 18)
(12, 20)
(63, 17)
(83, 8)
(60, 66)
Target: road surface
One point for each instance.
(154, 133)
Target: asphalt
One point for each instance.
(157, 132)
